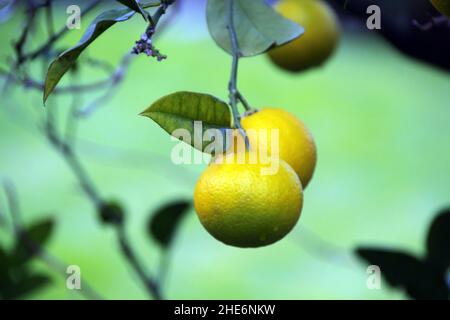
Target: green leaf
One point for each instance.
(180, 110)
(37, 235)
(401, 269)
(40, 231)
(258, 26)
(165, 222)
(438, 241)
(4, 264)
(30, 283)
(67, 59)
(135, 6)
(7, 284)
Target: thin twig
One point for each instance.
(110, 82)
(116, 78)
(72, 160)
(174, 12)
(20, 43)
(145, 43)
(232, 85)
(100, 64)
(51, 41)
(89, 189)
(64, 146)
(71, 123)
(163, 266)
(77, 88)
(151, 284)
(49, 18)
(323, 250)
(243, 101)
(154, 20)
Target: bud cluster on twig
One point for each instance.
(145, 45)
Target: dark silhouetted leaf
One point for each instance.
(180, 110)
(66, 60)
(29, 284)
(402, 270)
(398, 27)
(4, 260)
(15, 281)
(398, 268)
(36, 235)
(164, 222)
(41, 231)
(438, 241)
(5, 278)
(258, 26)
(135, 6)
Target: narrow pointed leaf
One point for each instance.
(164, 223)
(35, 236)
(67, 59)
(30, 283)
(438, 241)
(4, 263)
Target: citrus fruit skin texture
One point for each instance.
(296, 144)
(316, 45)
(443, 6)
(242, 207)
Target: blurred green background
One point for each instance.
(380, 121)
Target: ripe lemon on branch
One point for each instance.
(295, 144)
(241, 206)
(443, 6)
(316, 45)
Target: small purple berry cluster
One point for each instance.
(145, 45)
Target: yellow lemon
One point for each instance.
(443, 6)
(316, 45)
(242, 206)
(295, 143)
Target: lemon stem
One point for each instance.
(234, 95)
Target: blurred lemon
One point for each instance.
(443, 6)
(241, 206)
(295, 143)
(315, 46)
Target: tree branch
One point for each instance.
(69, 155)
(151, 284)
(51, 41)
(20, 43)
(115, 79)
(49, 17)
(63, 145)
